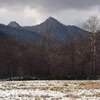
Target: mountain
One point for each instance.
(57, 30)
(19, 33)
(2, 34)
(51, 28)
(14, 24)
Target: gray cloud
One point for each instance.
(29, 12)
(50, 5)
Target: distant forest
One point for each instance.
(49, 60)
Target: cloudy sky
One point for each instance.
(32, 12)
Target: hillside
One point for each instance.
(56, 30)
(19, 33)
(51, 29)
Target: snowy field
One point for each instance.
(50, 90)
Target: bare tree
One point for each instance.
(91, 25)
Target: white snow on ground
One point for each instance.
(49, 90)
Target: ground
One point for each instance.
(50, 90)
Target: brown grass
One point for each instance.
(71, 96)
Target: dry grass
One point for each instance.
(71, 96)
(88, 85)
(54, 88)
(71, 90)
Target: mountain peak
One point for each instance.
(51, 20)
(14, 24)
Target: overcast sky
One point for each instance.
(32, 12)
